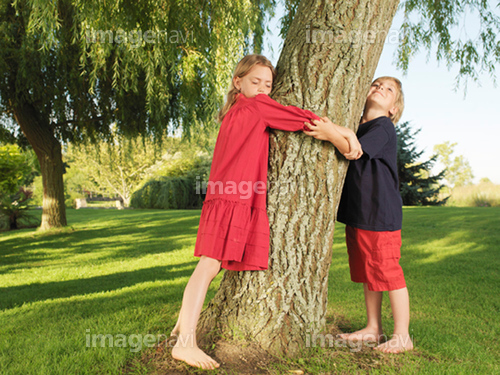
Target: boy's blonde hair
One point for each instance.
(400, 99)
(242, 69)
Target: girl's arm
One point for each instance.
(278, 116)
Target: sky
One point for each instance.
(432, 104)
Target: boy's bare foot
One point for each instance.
(365, 334)
(195, 357)
(397, 344)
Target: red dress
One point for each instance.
(234, 227)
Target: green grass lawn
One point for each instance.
(123, 273)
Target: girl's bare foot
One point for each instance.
(365, 334)
(175, 331)
(174, 335)
(397, 344)
(194, 356)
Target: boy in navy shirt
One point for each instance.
(371, 208)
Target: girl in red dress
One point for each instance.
(234, 228)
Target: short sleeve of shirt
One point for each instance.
(278, 116)
(375, 138)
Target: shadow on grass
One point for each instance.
(53, 337)
(18, 295)
(108, 234)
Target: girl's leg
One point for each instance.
(186, 348)
(175, 331)
(373, 329)
(400, 341)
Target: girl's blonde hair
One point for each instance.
(400, 99)
(242, 69)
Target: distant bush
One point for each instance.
(14, 210)
(484, 194)
(167, 193)
(180, 189)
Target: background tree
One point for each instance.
(327, 63)
(116, 168)
(71, 68)
(458, 170)
(416, 184)
(485, 180)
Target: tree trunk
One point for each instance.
(327, 63)
(48, 151)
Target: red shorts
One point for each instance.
(374, 258)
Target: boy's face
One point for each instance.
(383, 95)
(259, 80)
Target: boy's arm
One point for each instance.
(342, 138)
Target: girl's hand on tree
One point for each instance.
(321, 129)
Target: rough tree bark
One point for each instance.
(48, 151)
(328, 60)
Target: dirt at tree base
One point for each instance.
(244, 358)
(234, 358)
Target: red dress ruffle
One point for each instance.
(234, 233)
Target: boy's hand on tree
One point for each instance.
(355, 150)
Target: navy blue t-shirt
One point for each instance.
(370, 198)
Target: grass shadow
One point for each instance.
(104, 234)
(18, 295)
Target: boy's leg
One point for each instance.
(373, 329)
(400, 341)
(186, 348)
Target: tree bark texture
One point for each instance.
(48, 151)
(327, 63)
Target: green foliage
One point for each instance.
(167, 193)
(417, 186)
(120, 168)
(37, 189)
(114, 169)
(458, 170)
(14, 208)
(17, 168)
(145, 66)
(290, 10)
(73, 68)
(180, 187)
(77, 182)
(432, 23)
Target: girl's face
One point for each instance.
(259, 80)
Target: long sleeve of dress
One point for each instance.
(278, 116)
